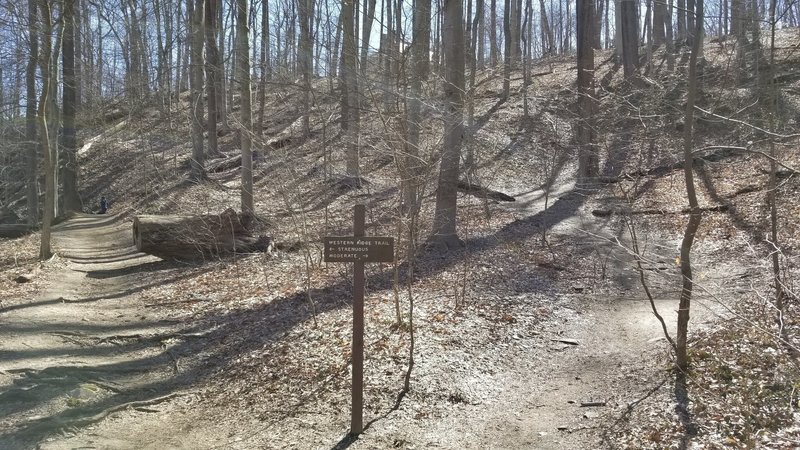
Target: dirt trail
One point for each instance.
(85, 348)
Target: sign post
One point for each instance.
(358, 249)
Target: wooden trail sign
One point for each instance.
(358, 249)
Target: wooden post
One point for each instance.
(356, 420)
(358, 249)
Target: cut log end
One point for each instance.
(196, 236)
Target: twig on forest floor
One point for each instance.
(593, 403)
(177, 302)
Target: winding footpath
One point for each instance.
(85, 351)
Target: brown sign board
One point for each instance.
(359, 249)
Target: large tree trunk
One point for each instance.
(351, 114)
(265, 67)
(306, 16)
(444, 221)
(30, 117)
(598, 24)
(507, 34)
(584, 133)
(69, 171)
(630, 37)
(420, 47)
(222, 102)
(246, 130)
(213, 75)
(481, 39)
(194, 13)
(369, 17)
(194, 236)
(78, 42)
(46, 102)
(493, 48)
(660, 23)
(548, 40)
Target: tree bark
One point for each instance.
(222, 88)
(598, 24)
(695, 214)
(493, 49)
(507, 34)
(46, 101)
(420, 47)
(30, 116)
(660, 23)
(350, 111)
(548, 42)
(369, 17)
(587, 106)
(630, 37)
(306, 16)
(265, 67)
(213, 74)
(444, 221)
(246, 130)
(194, 13)
(69, 173)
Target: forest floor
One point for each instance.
(89, 365)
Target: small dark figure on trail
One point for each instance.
(103, 205)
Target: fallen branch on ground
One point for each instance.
(593, 403)
(623, 212)
(483, 192)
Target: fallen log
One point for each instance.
(14, 230)
(662, 212)
(224, 164)
(195, 236)
(483, 192)
(292, 134)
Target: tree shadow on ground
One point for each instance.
(251, 330)
(732, 212)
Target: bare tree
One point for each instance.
(444, 221)
(507, 49)
(548, 40)
(493, 50)
(46, 104)
(306, 16)
(695, 213)
(369, 17)
(587, 105)
(266, 71)
(30, 116)
(214, 74)
(351, 114)
(246, 129)
(420, 48)
(69, 171)
(194, 12)
(629, 35)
